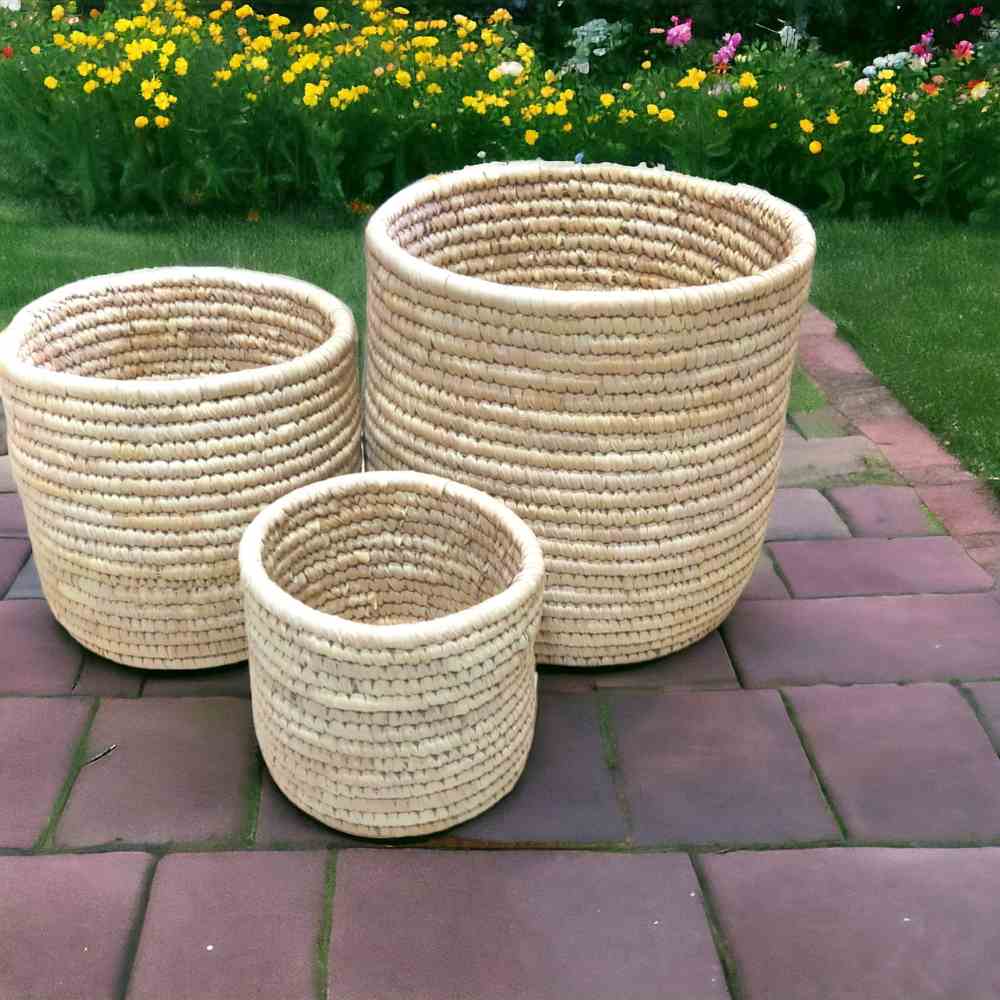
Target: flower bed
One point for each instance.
(159, 107)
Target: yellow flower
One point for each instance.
(747, 81)
(750, 102)
(35, 49)
(888, 89)
(666, 115)
(84, 68)
(875, 129)
(259, 62)
(909, 115)
(646, 64)
(261, 43)
(909, 139)
(815, 147)
(506, 120)
(693, 79)
(806, 125)
(51, 82)
(161, 121)
(883, 105)
(163, 100)
(244, 12)
(181, 66)
(531, 137)
(90, 86)
(433, 88)
(568, 127)
(148, 88)
(320, 13)
(886, 74)
(625, 115)
(288, 77)
(168, 48)
(141, 122)
(832, 118)
(772, 125)
(236, 60)
(403, 79)
(652, 109)
(607, 100)
(58, 12)
(722, 113)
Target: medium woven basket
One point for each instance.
(609, 350)
(391, 620)
(151, 415)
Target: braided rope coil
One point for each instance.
(391, 621)
(608, 350)
(151, 415)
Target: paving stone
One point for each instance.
(905, 442)
(765, 584)
(279, 822)
(37, 655)
(803, 513)
(934, 475)
(27, 585)
(179, 773)
(857, 567)
(858, 640)
(816, 323)
(231, 926)
(565, 680)
(14, 553)
(865, 400)
(833, 362)
(111, 680)
(716, 767)
(903, 763)
(987, 556)
(7, 483)
(67, 922)
(792, 434)
(829, 460)
(566, 794)
(964, 508)
(38, 738)
(826, 422)
(497, 925)
(12, 523)
(883, 511)
(861, 923)
(233, 681)
(987, 698)
(704, 666)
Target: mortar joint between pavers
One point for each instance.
(322, 961)
(727, 959)
(135, 932)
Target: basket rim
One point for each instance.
(190, 389)
(595, 302)
(427, 632)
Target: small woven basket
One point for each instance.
(391, 619)
(607, 349)
(151, 415)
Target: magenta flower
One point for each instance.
(957, 18)
(726, 54)
(925, 47)
(976, 11)
(680, 34)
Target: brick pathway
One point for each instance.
(804, 805)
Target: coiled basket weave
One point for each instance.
(391, 620)
(151, 415)
(608, 350)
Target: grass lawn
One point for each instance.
(919, 299)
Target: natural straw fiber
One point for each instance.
(391, 619)
(609, 350)
(151, 415)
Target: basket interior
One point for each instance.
(582, 232)
(172, 330)
(390, 557)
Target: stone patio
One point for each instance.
(804, 805)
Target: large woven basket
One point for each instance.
(609, 350)
(151, 415)
(391, 620)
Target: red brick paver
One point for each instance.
(67, 922)
(496, 925)
(903, 763)
(37, 655)
(883, 511)
(14, 554)
(803, 513)
(179, 773)
(232, 926)
(861, 924)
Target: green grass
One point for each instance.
(920, 301)
(806, 396)
(40, 251)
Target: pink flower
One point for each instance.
(963, 51)
(725, 55)
(680, 34)
(924, 48)
(957, 18)
(976, 11)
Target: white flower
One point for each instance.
(869, 71)
(512, 68)
(861, 86)
(880, 62)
